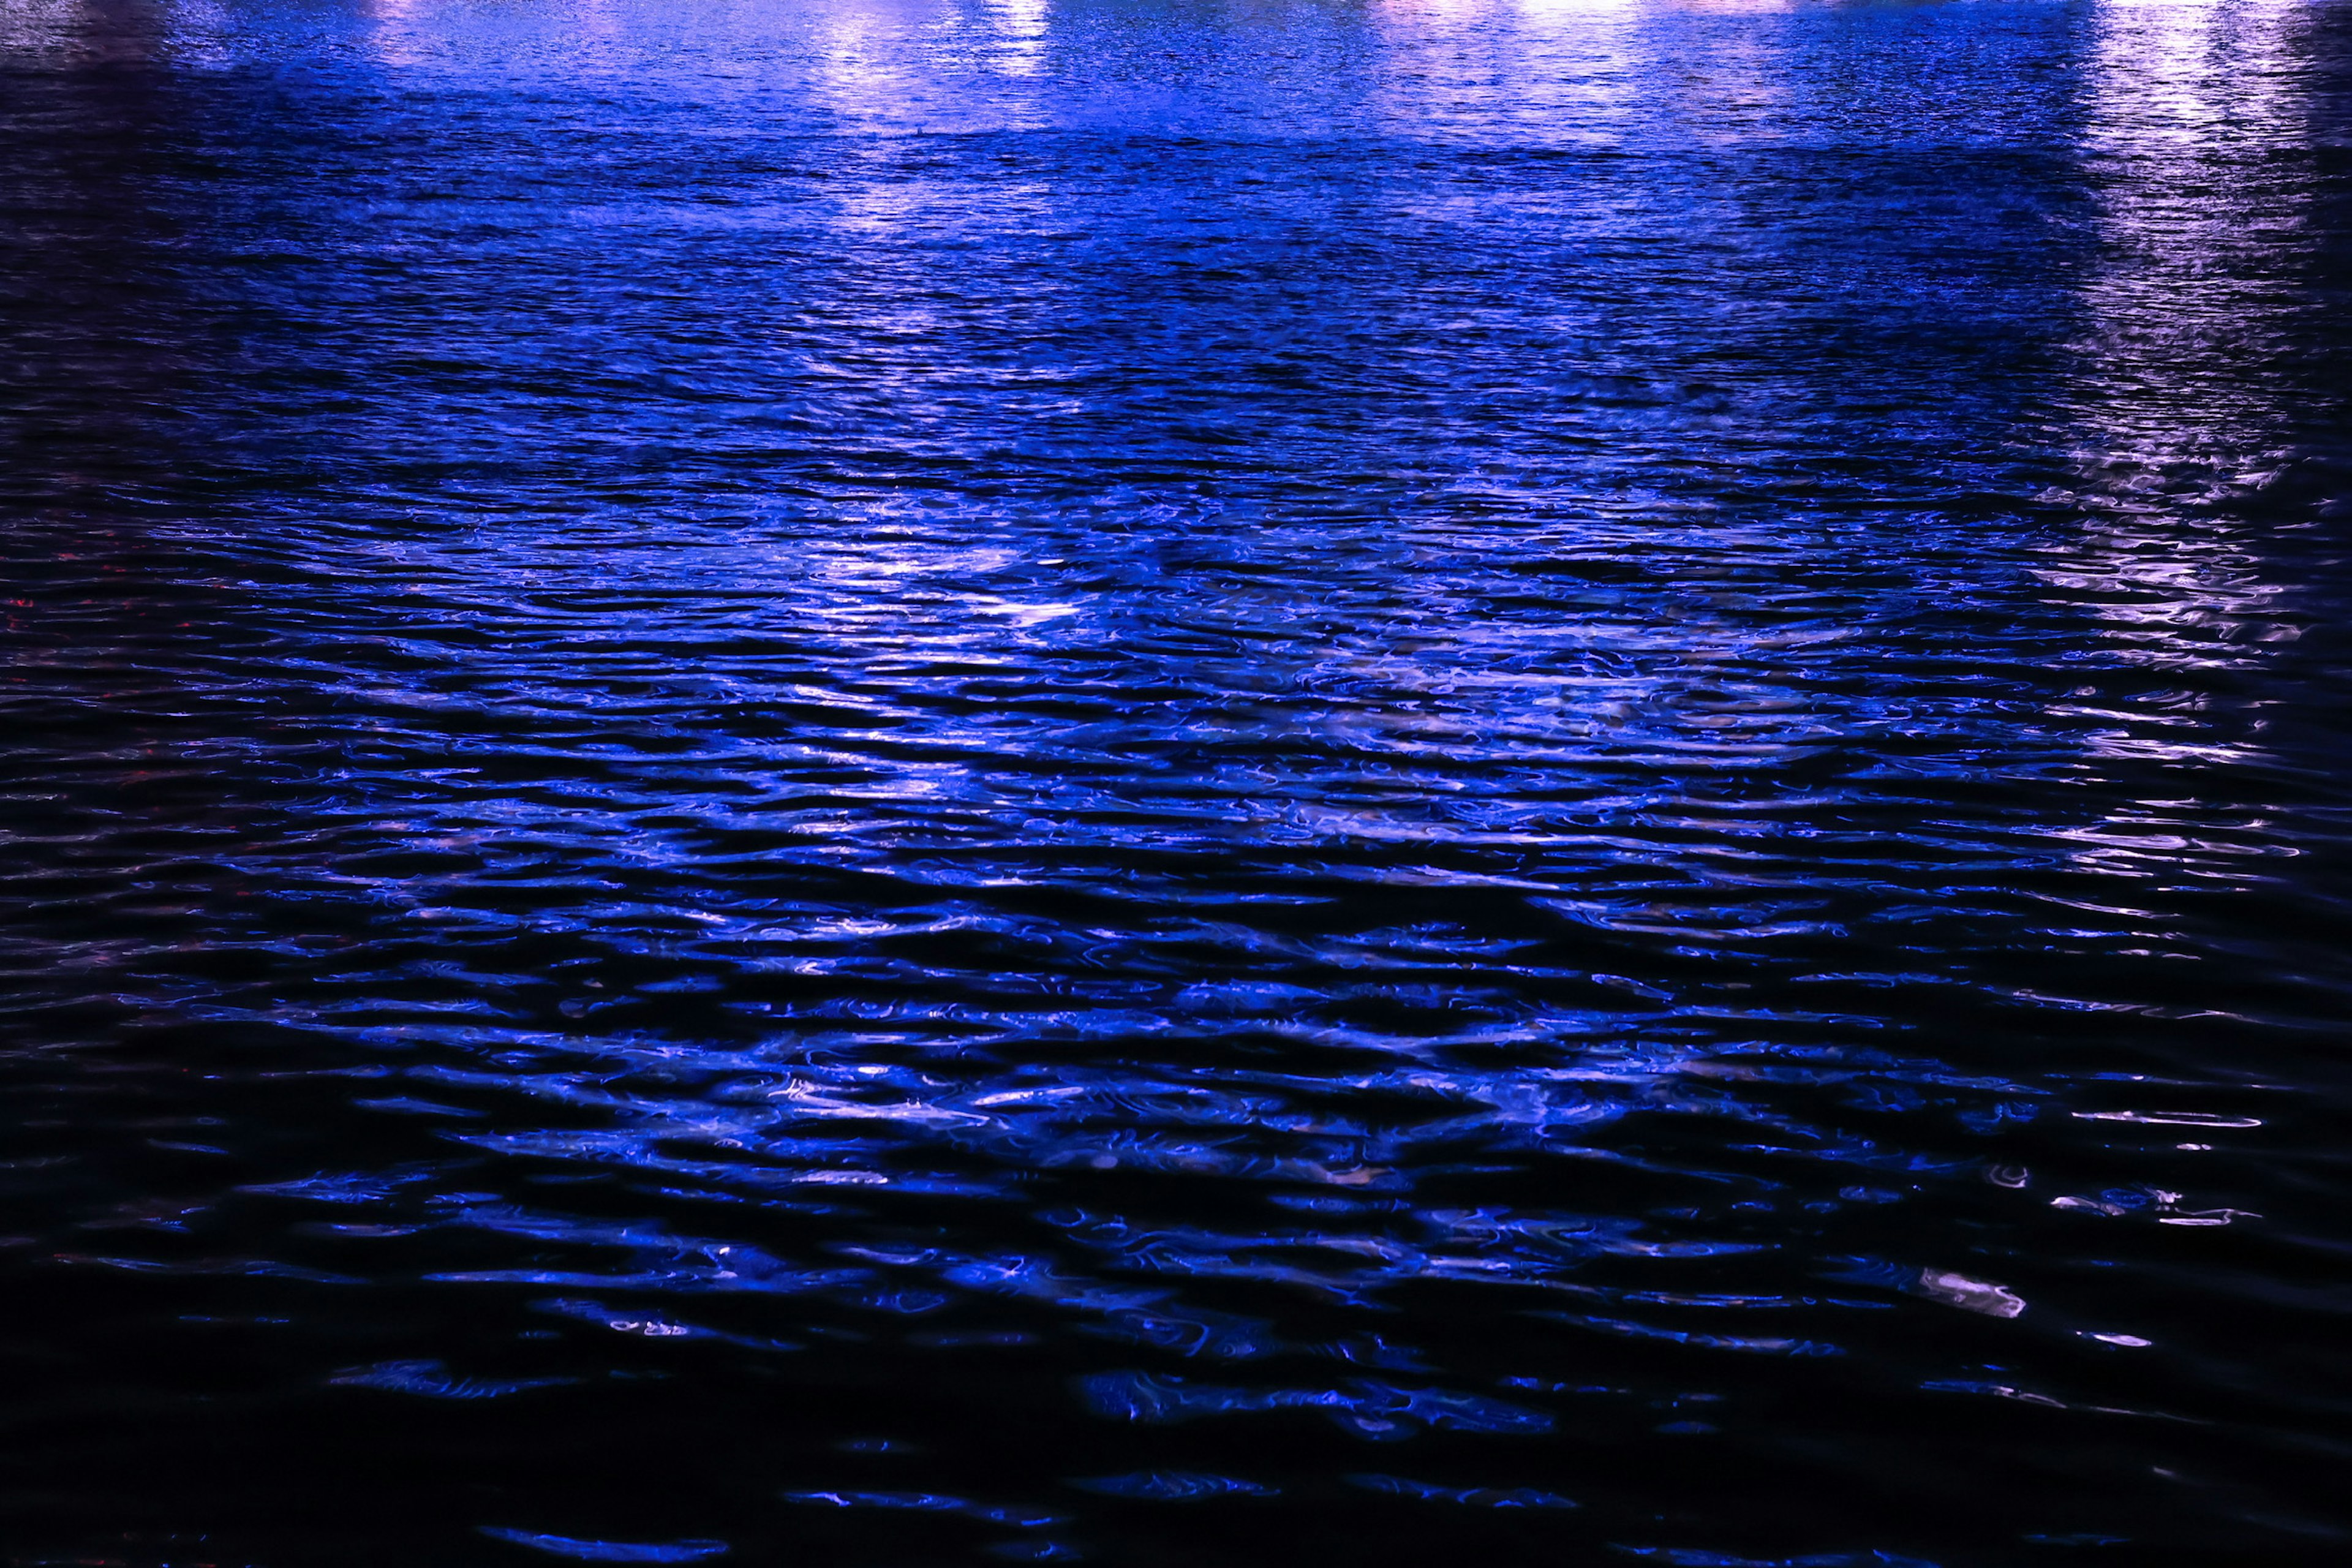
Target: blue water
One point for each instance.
(905, 782)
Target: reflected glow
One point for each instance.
(1025, 36)
(2181, 96)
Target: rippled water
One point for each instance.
(880, 781)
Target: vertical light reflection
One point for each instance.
(2186, 104)
(847, 73)
(1549, 72)
(1021, 48)
(892, 67)
(397, 38)
(2184, 101)
(1583, 67)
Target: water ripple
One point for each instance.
(886, 781)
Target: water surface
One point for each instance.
(906, 782)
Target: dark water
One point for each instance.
(886, 782)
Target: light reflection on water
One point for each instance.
(1173, 781)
